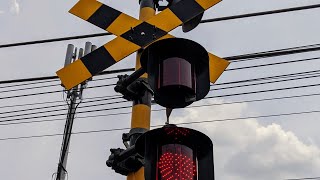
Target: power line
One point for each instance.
(240, 68)
(56, 77)
(265, 54)
(163, 109)
(186, 123)
(261, 13)
(270, 77)
(255, 84)
(52, 102)
(106, 98)
(304, 178)
(56, 110)
(117, 108)
(268, 54)
(278, 11)
(232, 69)
(272, 64)
(250, 80)
(110, 103)
(54, 80)
(263, 91)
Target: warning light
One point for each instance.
(178, 71)
(177, 162)
(175, 153)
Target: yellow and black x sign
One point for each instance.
(132, 35)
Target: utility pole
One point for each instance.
(73, 96)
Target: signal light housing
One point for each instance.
(178, 71)
(175, 153)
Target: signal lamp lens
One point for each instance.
(176, 80)
(177, 162)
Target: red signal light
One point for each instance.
(175, 153)
(177, 162)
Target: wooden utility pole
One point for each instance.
(141, 109)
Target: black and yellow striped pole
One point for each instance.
(141, 109)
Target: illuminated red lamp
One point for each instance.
(178, 71)
(175, 153)
(177, 162)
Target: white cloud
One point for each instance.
(247, 150)
(15, 7)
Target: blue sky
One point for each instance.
(265, 149)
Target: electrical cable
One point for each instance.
(240, 68)
(272, 51)
(272, 64)
(46, 107)
(57, 110)
(261, 13)
(163, 109)
(56, 77)
(236, 82)
(51, 102)
(117, 108)
(263, 91)
(239, 58)
(310, 178)
(278, 11)
(255, 84)
(269, 77)
(270, 54)
(30, 83)
(185, 123)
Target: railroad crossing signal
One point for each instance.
(173, 152)
(132, 35)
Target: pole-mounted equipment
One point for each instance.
(176, 153)
(179, 73)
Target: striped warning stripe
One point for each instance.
(104, 16)
(95, 62)
(132, 34)
(217, 66)
(119, 23)
(180, 13)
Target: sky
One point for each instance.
(276, 148)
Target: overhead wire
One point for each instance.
(184, 123)
(262, 91)
(229, 69)
(163, 109)
(272, 64)
(278, 11)
(51, 92)
(117, 108)
(124, 101)
(309, 178)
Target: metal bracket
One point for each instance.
(132, 87)
(132, 136)
(125, 161)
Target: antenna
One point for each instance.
(69, 55)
